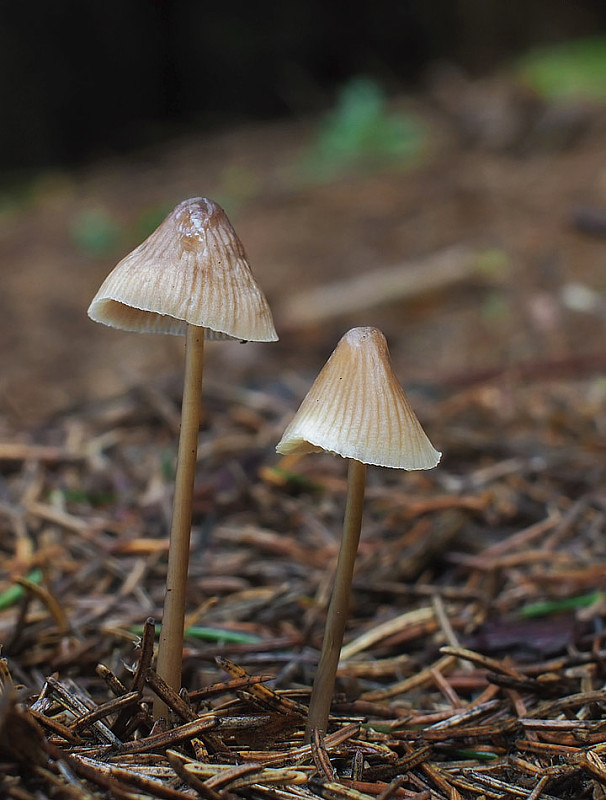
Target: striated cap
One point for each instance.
(357, 409)
(191, 269)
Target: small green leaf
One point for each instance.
(95, 233)
(362, 131)
(479, 755)
(15, 592)
(571, 70)
(544, 608)
(210, 634)
(221, 635)
(295, 480)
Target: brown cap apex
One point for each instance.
(191, 269)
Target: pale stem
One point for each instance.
(338, 610)
(170, 649)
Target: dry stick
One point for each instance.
(377, 287)
(170, 649)
(324, 682)
(125, 717)
(177, 762)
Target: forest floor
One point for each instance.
(475, 651)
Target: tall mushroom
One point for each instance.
(189, 277)
(356, 409)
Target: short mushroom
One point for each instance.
(189, 277)
(356, 409)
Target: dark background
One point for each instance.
(84, 79)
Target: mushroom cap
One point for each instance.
(357, 409)
(191, 269)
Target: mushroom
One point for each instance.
(189, 277)
(356, 409)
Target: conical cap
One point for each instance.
(191, 269)
(357, 409)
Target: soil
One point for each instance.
(516, 208)
(484, 267)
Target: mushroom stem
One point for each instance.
(170, 649)
(324, 682)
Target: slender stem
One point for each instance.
(170, 649)
(324, 682)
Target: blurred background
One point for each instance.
(433, 168)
